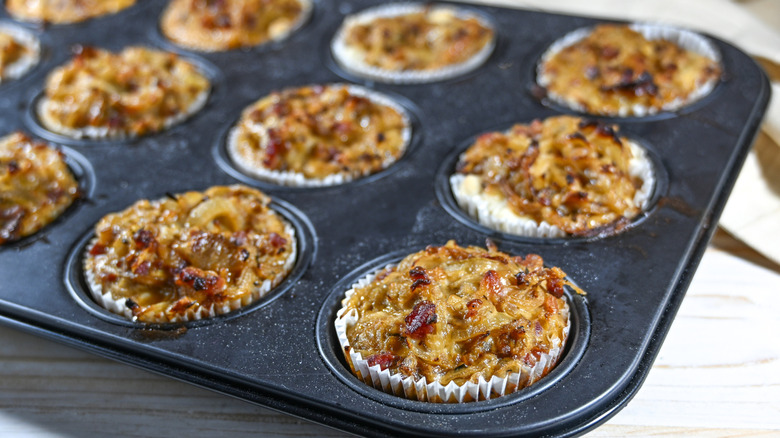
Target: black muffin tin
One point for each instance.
(282, 352)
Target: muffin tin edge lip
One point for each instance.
(538, 93)
(447, 200)
(158, 37)
(225, 162)
(76, 284)
(34, 97)
(82, 171)
(331, 62)
(331, 354)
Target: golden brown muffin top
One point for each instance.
(615, 68)
(453, 314)
(136, 91)
(319, 131)
(11, 51)
(566, 171)
(229, 24)
(36, 186)
(431, 39)
(168, 257)
(64, 11)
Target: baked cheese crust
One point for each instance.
(616, 70)
(189, 256)
(321, 133)
(138, 91)
(64, 11)
(19, 51)
(458, 314)
(36, 186)
(576, 175)
(231, 24)
(399, 42)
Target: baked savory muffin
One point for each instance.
(229, 24)
(561, 176)
(409, 42)
(454, 324)
(19, 51)
(64, 11)
(137, 91)
(36, 186)
(319, 135)
(189, 256)
(625, 70)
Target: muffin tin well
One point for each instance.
(281, 352)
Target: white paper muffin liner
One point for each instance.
(494, 212)
(306, 10)
(351, 59)
(421, 389)
(297, 179)
(195, 312)
(104, 132)
(24, 64)
(686, 39)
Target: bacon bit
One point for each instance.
(276, 240)
(141, 267)
(273, 150)
(200, 280)
(521, 278)
(550, 304)
(420, 277)
(143, 239)
(98, 249)
(420, 321)
(473, 308)
(380, 137)
(384, 359)
(554, 286)
(490, 284)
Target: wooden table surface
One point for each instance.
(717, 374)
